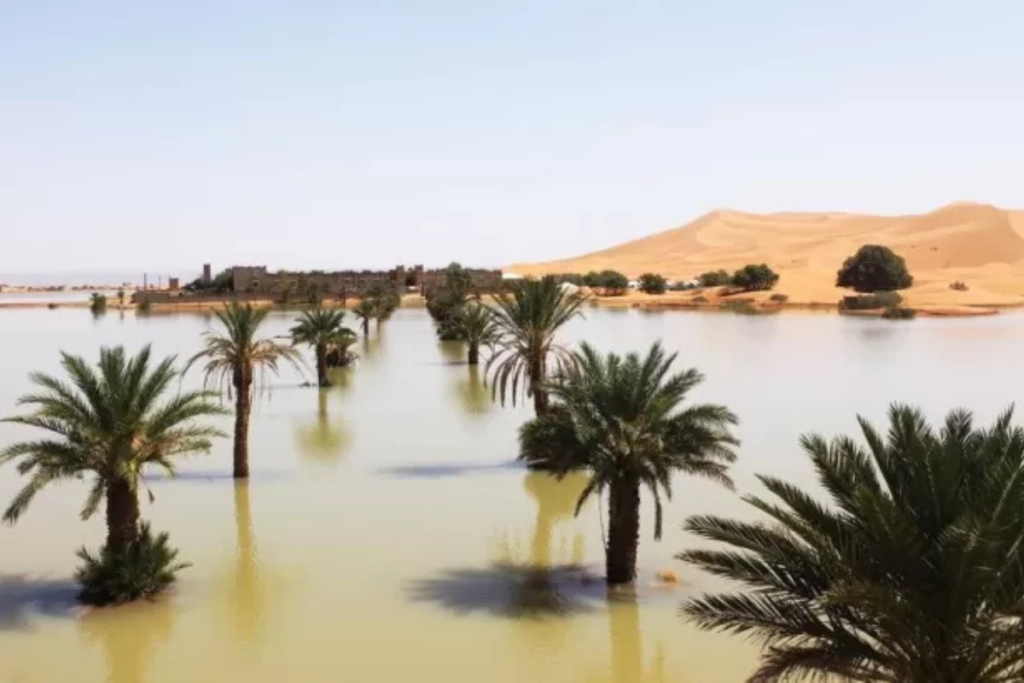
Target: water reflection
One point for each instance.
(129, 636)
(324, 440)
(246, 596)
(453, 352)
(473, 395)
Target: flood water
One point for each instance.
(386, 533)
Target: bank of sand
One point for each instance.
(977, 244)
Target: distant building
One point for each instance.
(173, 284)
(207, 274)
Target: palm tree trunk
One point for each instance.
(540, 397)
(242, 408)
(321, 366)
(122, 515)
(623, 530)
(366, 327)
(473, 357)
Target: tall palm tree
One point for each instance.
(365, 310)
(322, 329)
(233, 357)
(913, 571)
(477, 325)
(109, 422)
(619, 418)
(526, 320)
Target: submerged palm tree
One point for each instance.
(619, 418)
(477, 325)
(110, 422)
(526, 321)
(322, 329)
(232, 359)
(914, 571)
(365, 310)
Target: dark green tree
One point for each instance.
(910, 570)
(714, 278)
(614, 283)
(755, 277)
(526, 320)
(621, 419)
(651, 283)
(110, 423)
(874, 268)
(232, 358)
(98, 303)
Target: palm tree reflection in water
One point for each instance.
(129, 636)
(325, 440)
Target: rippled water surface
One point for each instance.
(387, 535)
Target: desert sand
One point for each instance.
(978, 244)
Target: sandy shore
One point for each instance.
(978, 245)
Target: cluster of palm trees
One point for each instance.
(913, 570)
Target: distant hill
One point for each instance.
(979, 244)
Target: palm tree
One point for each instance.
(526, 321)
(233, 357)
(365, 310)
(322, 329)
(617, 418)
(913, 571)
(477, 324)
(110, 422)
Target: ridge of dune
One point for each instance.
(978, 244)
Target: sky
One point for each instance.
(332, 134)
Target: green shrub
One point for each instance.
(715, 278)
(614, 283)
(651, 283)
(700, 299)
(874, 268)
(755, 277)
(51, 305)
(870, 302)
(899, 313)
(145, 306)
(778, 298)
(145, 568)
(958, 286)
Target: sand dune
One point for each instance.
(979, 244)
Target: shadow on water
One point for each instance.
(509, 590)
(515, 586)
(23, 597)
(159, 477)
(452, 469)
(324, 441)
(129, 636)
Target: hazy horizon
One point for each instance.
(318, 135)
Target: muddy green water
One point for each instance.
(387, 535)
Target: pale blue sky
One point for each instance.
(158, 135)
